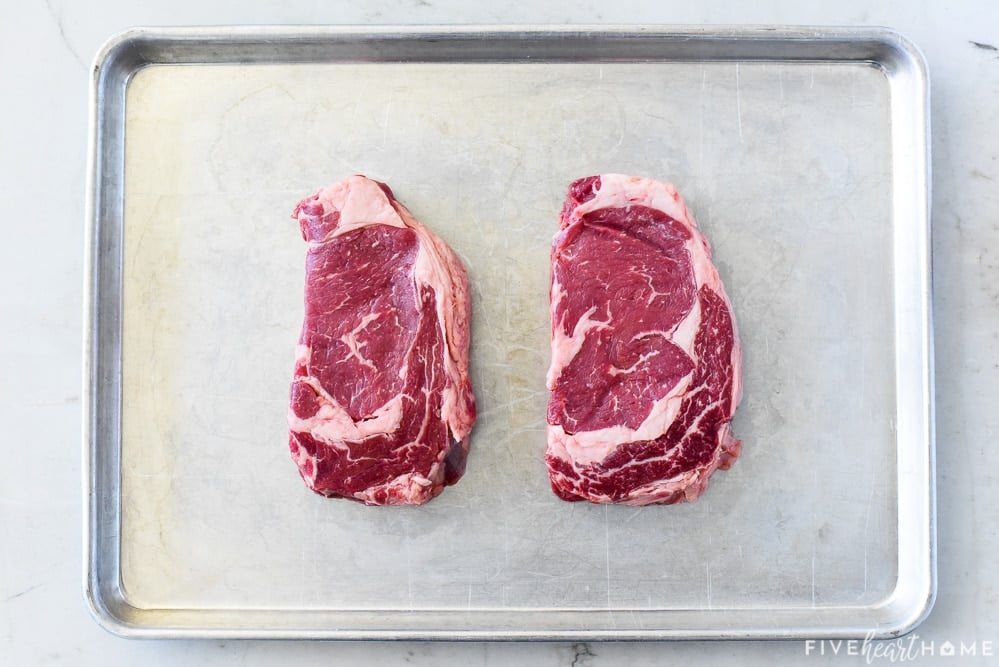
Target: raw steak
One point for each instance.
(646, 368)
(381, 402)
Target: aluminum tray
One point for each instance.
(802, 152)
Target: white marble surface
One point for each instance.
(45, 48)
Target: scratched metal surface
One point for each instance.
(788, 167)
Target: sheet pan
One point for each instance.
(801, 151)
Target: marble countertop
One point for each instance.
(47, 47)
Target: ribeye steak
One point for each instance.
(646, 369)
(381, 401)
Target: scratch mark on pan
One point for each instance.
(707, 574)
(607, 554)
(700, 121)
(813, 575)
(867, 523)
(622, 123)
(865, 569)
(409, 571)
(738, 101)
(549, 575)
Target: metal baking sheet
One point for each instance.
(803, 154)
